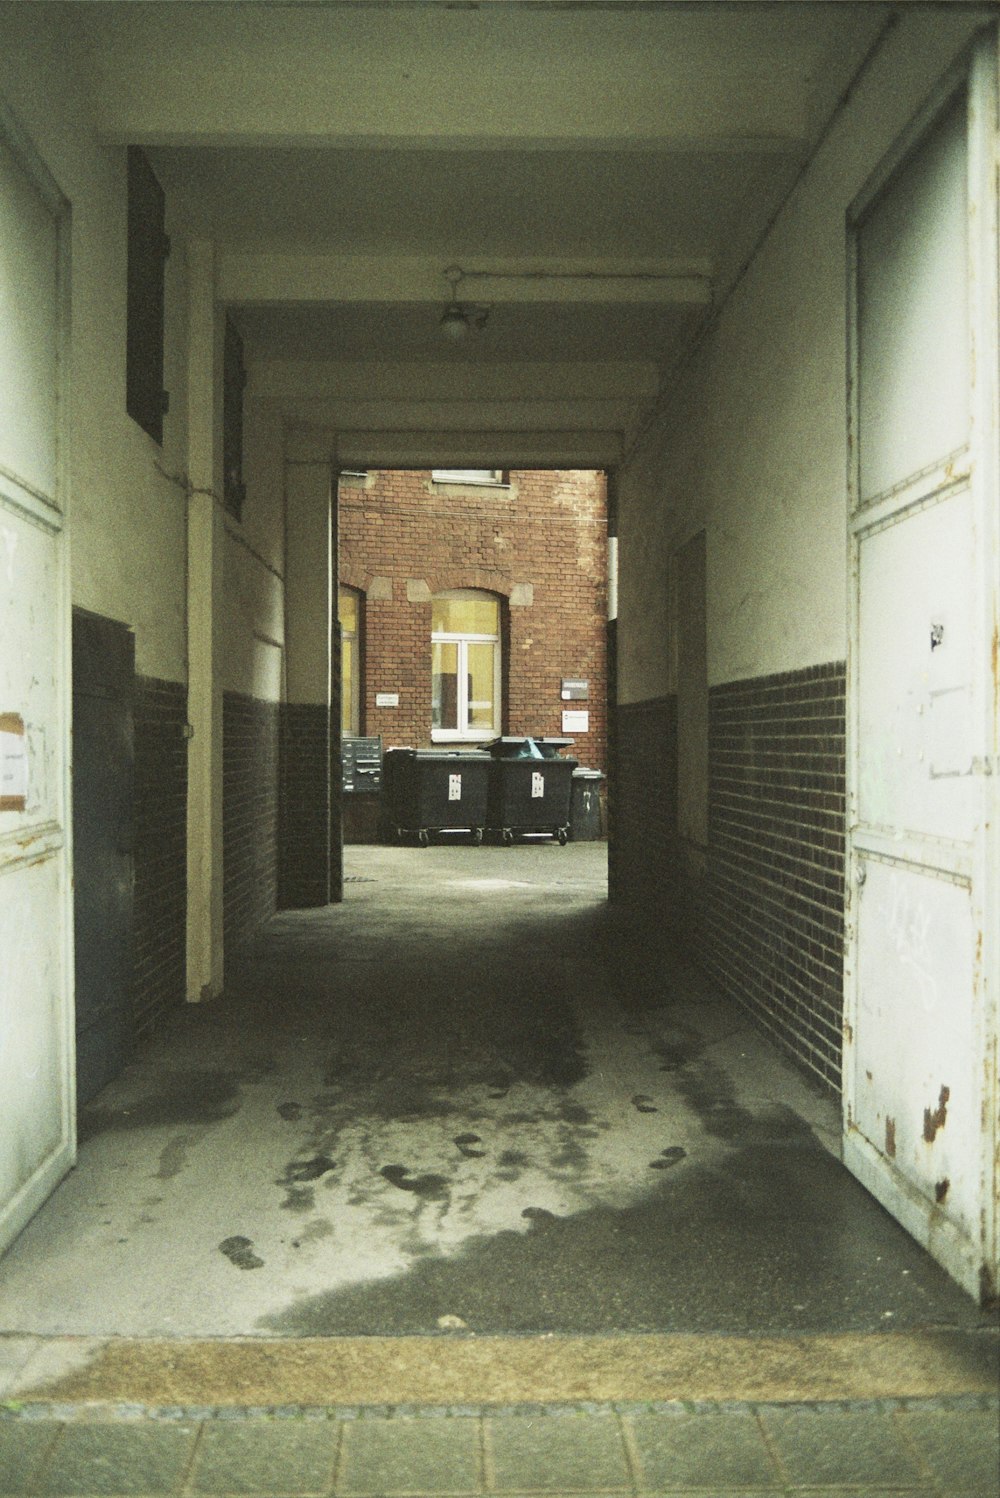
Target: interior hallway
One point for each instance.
(459, 1101)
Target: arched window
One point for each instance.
(349, 618)
(465, 665)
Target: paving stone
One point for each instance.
(410, 1456)
(855, 1447)
(552, 1453)
(701, 1451)
(130, 1457)
(266, 1456)
(961, 1447)
(23, 1447)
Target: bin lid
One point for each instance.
(513, 746)
(550, 747)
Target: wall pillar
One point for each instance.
(204, 593)
(307, 871)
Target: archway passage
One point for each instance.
(457, 1103)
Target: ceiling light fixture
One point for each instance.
(460, 318)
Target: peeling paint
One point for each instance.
(934, 1121)
(890, 1138)
(941, 1190)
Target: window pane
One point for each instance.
(348, 685)
(444, 685)
(347, 610)
(480, 662)
(466, 616)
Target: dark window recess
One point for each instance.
(234, 380)
(148, 247)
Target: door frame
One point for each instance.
(974, 1264)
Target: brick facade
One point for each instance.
(539, 542)
(766, 920)
(250, 731)
(160, 898)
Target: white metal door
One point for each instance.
(920, 1085)
(36, 1098)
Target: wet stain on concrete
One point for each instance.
(299, 1171)
(290, 1111)
(539, 1215)
(433, 1187)
(513, 1159)
(173, 1157)
(668, 1158)
(763, 1250)
(239, 1251)
(299, 1199)
(466, 1142)
(644, 1104)
(190, 1097)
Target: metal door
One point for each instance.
(920, 1033)
(103, 823)
(36, 1095)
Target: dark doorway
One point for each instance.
(103, 839)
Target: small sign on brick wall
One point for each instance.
(386, 699)
(576, 720)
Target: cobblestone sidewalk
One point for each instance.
(949, 1448)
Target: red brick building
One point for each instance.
(469, 600)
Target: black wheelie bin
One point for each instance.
(426, 791)
(528, 790)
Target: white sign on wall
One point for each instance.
(386, 699)
(576, 720)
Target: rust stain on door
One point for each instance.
(934, 1121)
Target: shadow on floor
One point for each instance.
(458, 1101)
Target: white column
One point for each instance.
(204, 591)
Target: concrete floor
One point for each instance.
(458, 1102)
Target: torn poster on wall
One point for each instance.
(13, 763)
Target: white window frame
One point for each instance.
(463, 733)
(489, 476)
(350, 644)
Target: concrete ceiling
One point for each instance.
(599, 171)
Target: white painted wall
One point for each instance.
(751, 440)
(253, 614)
(127, 548)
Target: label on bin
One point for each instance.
(537, 784)
(454, 787)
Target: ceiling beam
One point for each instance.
(246, 278)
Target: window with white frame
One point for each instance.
(467, 475)
(465, 665)
(349, 619)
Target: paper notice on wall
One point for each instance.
(13, 763)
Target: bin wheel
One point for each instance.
(561, 835)
(424, 838)
(508, 837)
(477, 836)
(399, 834)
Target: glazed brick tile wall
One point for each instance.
(249, 817)
(644, 809)
(773, 931)
(160, 908)
(545, 529)
(304, 845)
